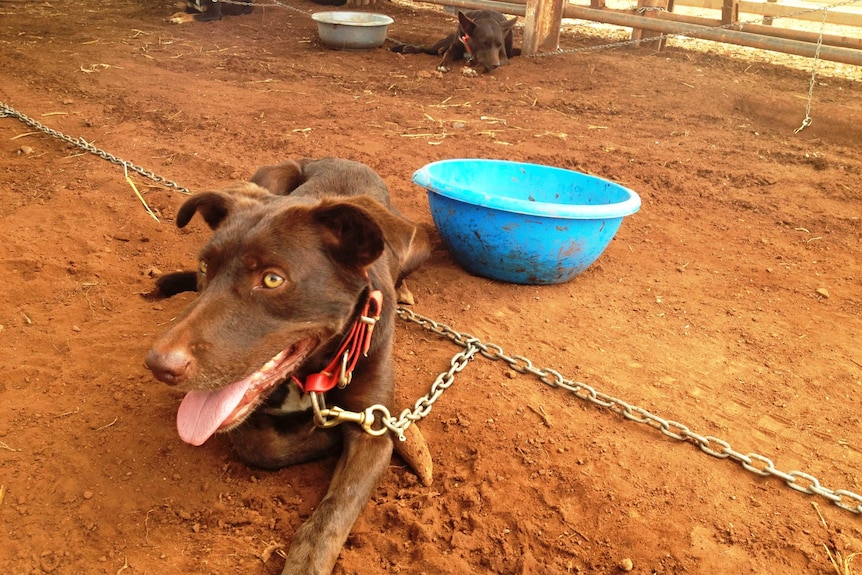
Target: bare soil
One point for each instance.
(731, 303)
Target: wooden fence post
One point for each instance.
(729, 12)
(767, 20)
(640, 33)
(542, 26)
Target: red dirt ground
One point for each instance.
(709, 308)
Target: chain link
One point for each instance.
(718, 448)
(10, 112)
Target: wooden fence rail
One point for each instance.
(840, 15)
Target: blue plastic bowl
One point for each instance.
(523, 223)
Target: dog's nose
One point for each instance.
(171, 367)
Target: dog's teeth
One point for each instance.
(273, 362)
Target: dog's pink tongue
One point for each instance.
(201, 413)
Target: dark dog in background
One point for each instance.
(208, 10)
(294, 262)
(483, 37)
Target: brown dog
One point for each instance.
(300, 259)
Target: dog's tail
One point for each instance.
(412, 49)
(435, 50)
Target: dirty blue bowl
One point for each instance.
(523, 223)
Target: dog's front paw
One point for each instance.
(178, 18)
(443, 68)
(469, 72)
(414, 451)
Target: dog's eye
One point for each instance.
(202, 267)
(272, 280)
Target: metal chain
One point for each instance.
(807, 120)
(10, 112)
(719, 448)
(274, 4)
(444, 380)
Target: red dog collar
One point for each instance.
(465, 39)
(340, 370)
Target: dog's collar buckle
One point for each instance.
(373, 420)
(345, 375)
(340, 370)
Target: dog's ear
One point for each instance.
(408, 242)
(351, 235)
(173, 283)
(280, 179)
(469, 26)
(214, 207)
(510, 24)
